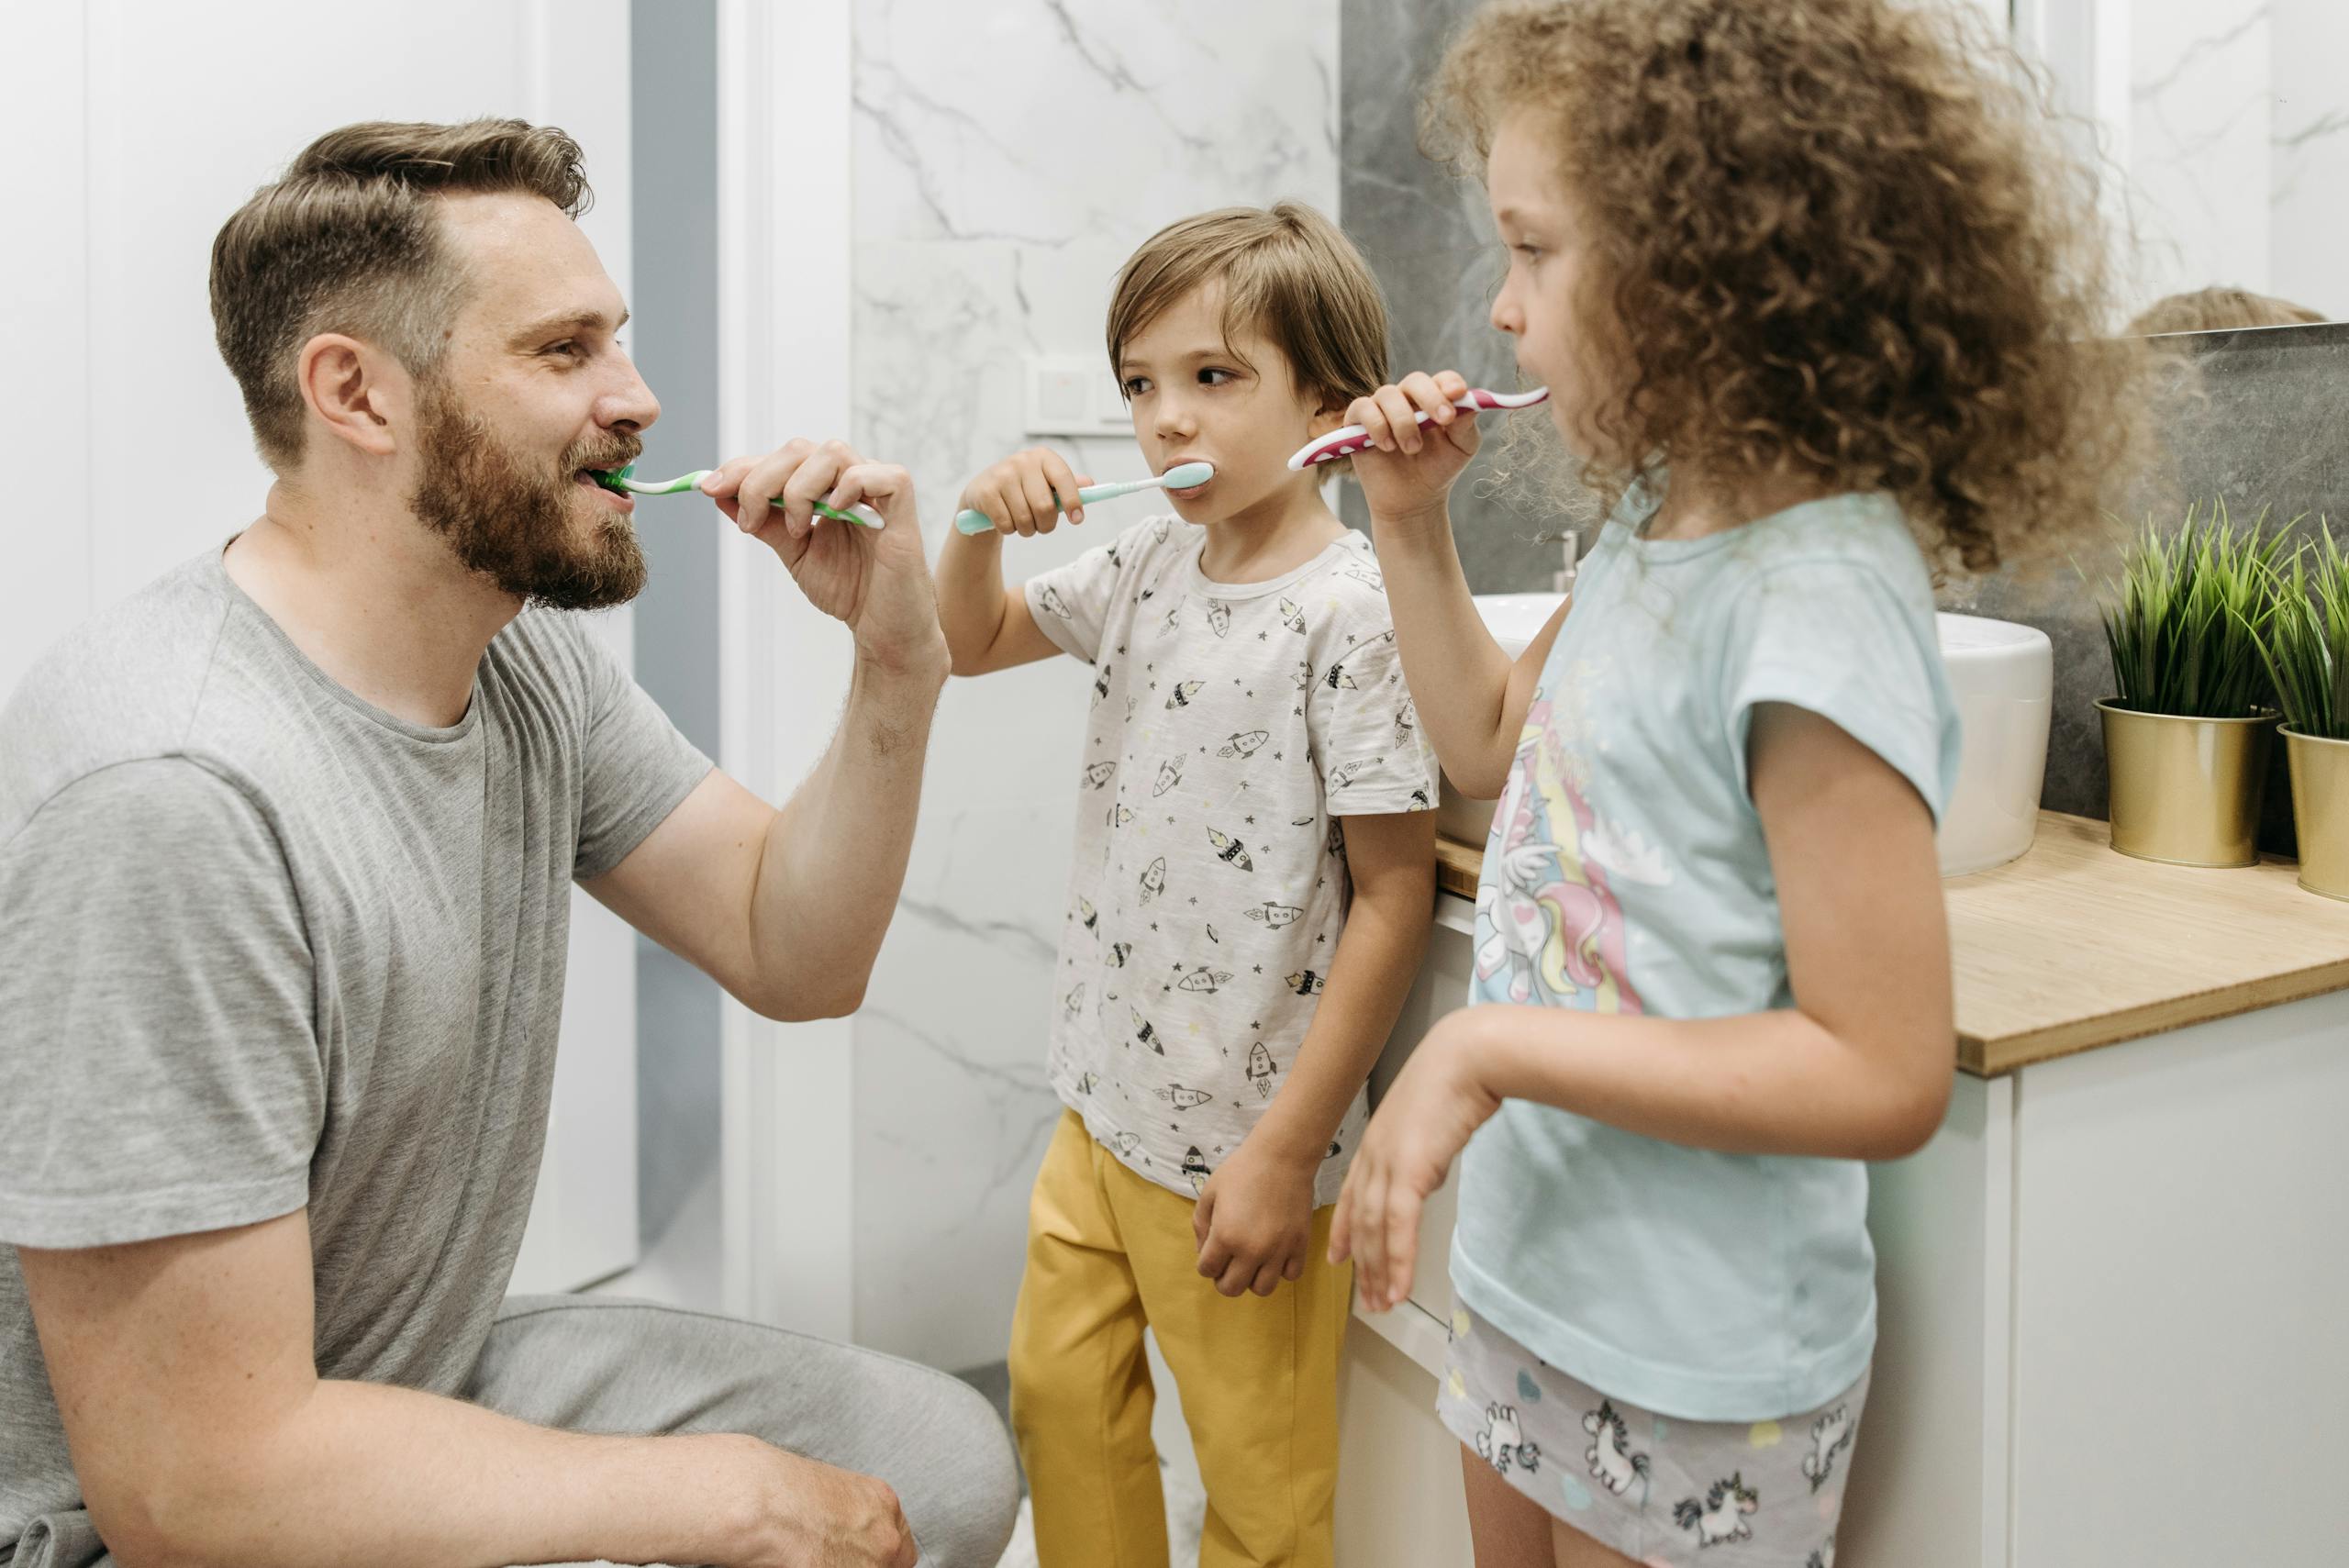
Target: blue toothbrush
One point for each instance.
(1182, 476)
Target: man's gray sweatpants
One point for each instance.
(600, 1364)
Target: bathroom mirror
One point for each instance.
(2229, 121)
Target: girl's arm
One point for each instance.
(1470, 695)
(1858, 1069)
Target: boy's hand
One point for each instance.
(1254, 1219)
(1408, 469)
(1018, 494)
(1418, 1129)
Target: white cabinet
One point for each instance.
(1399, 1469)
(2181, 1301)
(2113, 1291)
(2113, 1316)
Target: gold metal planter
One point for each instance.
(2185, 791)
(2321, 810)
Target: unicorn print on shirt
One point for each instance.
(1549, 918)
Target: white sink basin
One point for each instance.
(2002, 675)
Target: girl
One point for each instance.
(1806, 298)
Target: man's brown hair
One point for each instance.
(2220, 310)
(348, 241)
(1286, 271)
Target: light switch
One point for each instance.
(1072, 395)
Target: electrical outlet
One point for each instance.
(1069, 396)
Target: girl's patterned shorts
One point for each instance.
(1663, 1491)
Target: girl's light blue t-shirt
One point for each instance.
(1627, 874)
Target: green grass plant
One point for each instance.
(2186, 620)
(2305, 642)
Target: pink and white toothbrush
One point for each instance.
(1352, 439)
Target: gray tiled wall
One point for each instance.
(2260, 418)
(1430, 238)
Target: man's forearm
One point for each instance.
(1370, 976)
(364, 1475)
(836, 853)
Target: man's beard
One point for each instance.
(513, 524)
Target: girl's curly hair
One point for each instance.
(1842, 238)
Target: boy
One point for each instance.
(1251, 892)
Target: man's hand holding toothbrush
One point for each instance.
(876, 580)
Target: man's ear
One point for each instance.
(361, 394)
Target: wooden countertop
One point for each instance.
(2074, 947)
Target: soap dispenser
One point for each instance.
(1562, 581)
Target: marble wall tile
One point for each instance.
(2200, 99)
(1007, 159)
(2237, 146)
(952, 1113)
(2309, 160)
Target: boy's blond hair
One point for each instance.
(1286, 271)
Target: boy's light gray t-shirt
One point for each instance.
(264, 946)
(1234, 727)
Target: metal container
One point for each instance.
(2185, 791)
(2321, 810)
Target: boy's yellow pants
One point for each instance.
(1107, 1253)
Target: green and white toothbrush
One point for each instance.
(1182, 476)
(862, 516)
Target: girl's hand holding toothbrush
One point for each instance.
(1422, 1125)
(1019, 493)
(1408, 468)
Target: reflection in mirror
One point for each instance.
(2231, 124)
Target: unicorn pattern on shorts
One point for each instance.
(1829, 1435)
(1722, 1516)
(1612, 1463)
(1502, 1442)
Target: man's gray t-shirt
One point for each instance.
(264, 946)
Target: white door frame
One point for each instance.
(784, 132)
(2085, 46)
(583, 1216)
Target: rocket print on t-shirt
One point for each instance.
(1230, 732)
